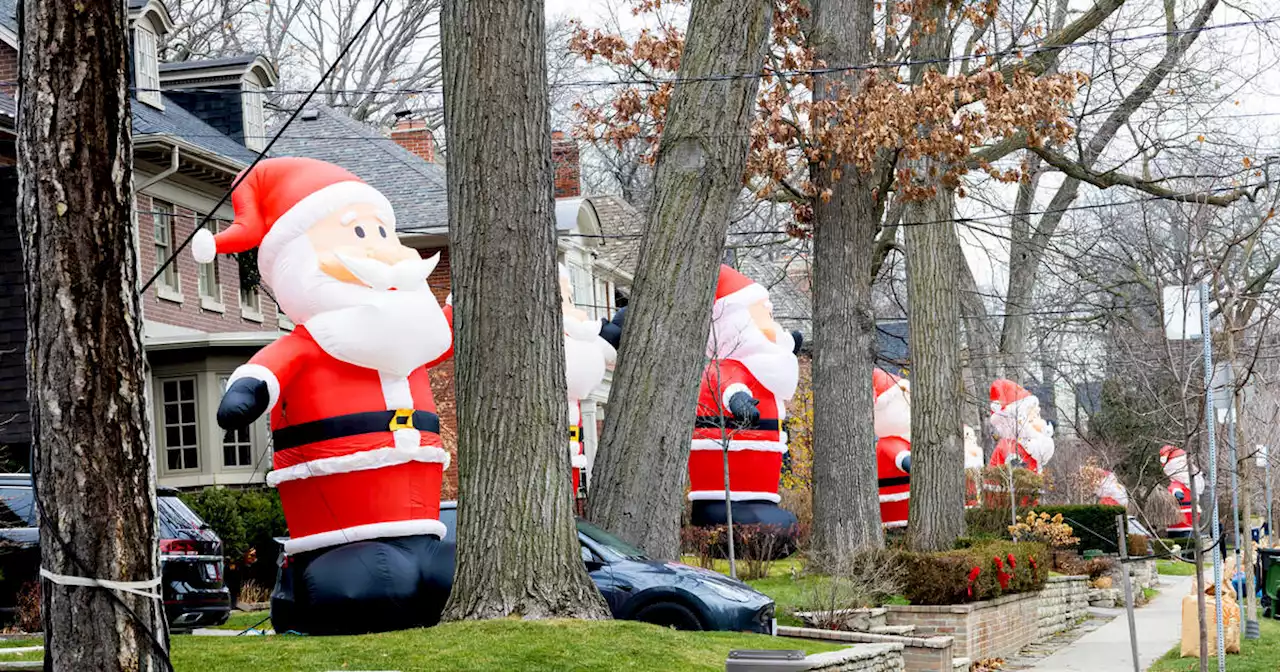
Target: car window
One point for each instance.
(17, 507)
(449, 517)
(609, 542)
(178, 521)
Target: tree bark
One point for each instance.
(936, 515)
(518, 552)
(92, 460)
(645, 449)
(846, 508)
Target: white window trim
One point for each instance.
(212, 301)
(162, 436)
(146, 70)
(254, 126)
(283, 320)
(247, 312)
(164, 290)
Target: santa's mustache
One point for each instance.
(407, 275)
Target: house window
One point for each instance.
(250, 302)
(181, 449)
(580, 279)
(604, 299)
(162, 216)
(237, 444)
(147, 75)
(286, 324)
(255, 130)
(210, 290)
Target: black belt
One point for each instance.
(353, 424)
(727, 422)
(896, 480)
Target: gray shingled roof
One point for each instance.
(176, 121)
(244, 59)
(618, 218)
(9, 14)
(415, 187)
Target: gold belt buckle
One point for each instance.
(403, 419)
(575, 433)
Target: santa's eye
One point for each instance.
(382, 231)
(360, 232)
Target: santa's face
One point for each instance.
(358, 245)
(762, 316)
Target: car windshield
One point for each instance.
(609, 542)
(177, 521)
(17, 508)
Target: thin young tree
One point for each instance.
(700, 163)
(518, 552)
(92, 459)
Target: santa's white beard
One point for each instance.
(1176, 469)
(734, 335)
(393, 332)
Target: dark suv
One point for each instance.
(190, 555)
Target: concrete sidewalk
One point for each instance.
(1159, 626)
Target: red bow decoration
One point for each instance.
(1032, 559)
(1013, 562)
(973, 576)
(1000, 575)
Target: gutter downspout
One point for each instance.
(173, 168)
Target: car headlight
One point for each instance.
(728, 592)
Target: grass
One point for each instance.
(1256, 655)
(509, 645)
(15, 643)
(1149, 594)
(1175, 568)
(241, 620)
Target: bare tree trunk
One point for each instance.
(936, 515)
(509, 354)
(85, 370)
(641, 463)
(846, 508)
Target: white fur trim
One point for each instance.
(203, 246)
(578, 461)
(361, 461)
(735, 496)
(732, 390)
(1022, 408)
(399, 528)
(448, 300)
(716, 444)
(259, 372)
(896, 523)
(896, 497)
(316, 206)
(897, 461)
(746, 296)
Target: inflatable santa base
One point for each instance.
(367, 586)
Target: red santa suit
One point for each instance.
(357, 450)
(893, 446)
(1181, 483)
(744, 361)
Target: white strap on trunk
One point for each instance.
(143, 588)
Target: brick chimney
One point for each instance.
(413, 135)
(564, 159)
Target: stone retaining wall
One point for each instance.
(989, 629)
(1064, 602)
(859, 658)
(919, 654)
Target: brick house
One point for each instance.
(199, 323)
(598, 236)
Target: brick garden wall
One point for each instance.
(1064, 602)
(988, 629)
(919, 654)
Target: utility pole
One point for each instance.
(92, 462)
(1210, 422)
(1128, 589)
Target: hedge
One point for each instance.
(244, 519)
(1094, 524)
(981, 572)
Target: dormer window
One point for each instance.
(147, 66)
(255, 129)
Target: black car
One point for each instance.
(190, 555)
(314, 593)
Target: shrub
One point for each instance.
(981, 572)
(27, 612)
(1099, 567)
(245, 520)
(1094, 524)
(1042, 529)
(867, 579)
(1139, 545)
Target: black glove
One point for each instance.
(243, 402)
(799, 339)
(744, 410)
(611, 333)
(619, 317)
(1179, 495)
(906, 463)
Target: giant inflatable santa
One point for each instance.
(1023, 436)
(742, 404)
(357, 452)
(588, 350)
(1110, 492)
(1185, 486)
(892, 417)
(972, 467)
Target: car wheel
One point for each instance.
(670, 615)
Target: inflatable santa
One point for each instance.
(1109, 491)
(1185, 486)
(588, 350)
(357, 452)
(741, 405)
(972, 467)
(892, 416)
(1023, 437)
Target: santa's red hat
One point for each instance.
(734, 288)
(883, 381)
(278, 200)
(1170, 452)
(1006, 392)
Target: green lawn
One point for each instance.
(16, 643)
(241, 620)
(508, 645)
(1175, 568)
(1256, 655)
